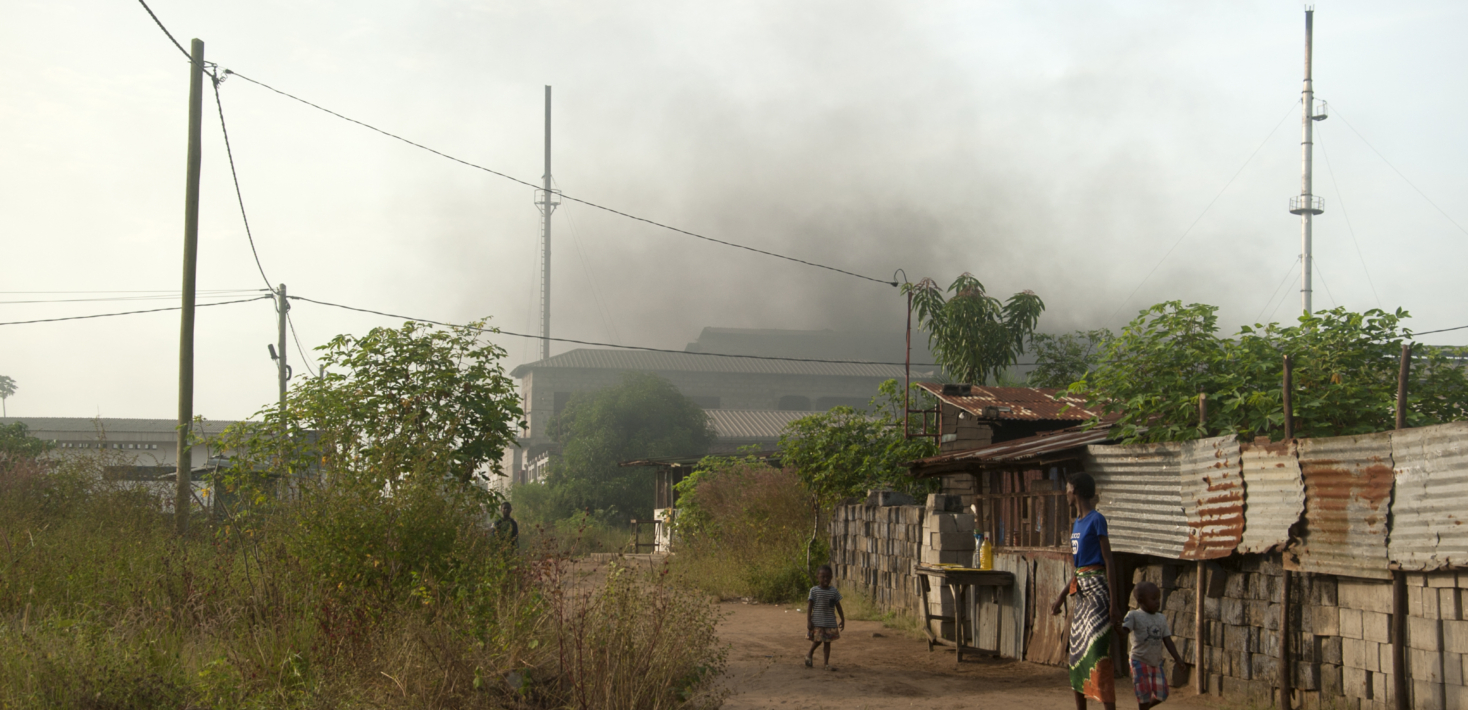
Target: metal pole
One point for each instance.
(1289, 409)
(282, 370)
(1399, 578)
(1306, 193)
(183, 487)
(1199, 626)
(545, 232)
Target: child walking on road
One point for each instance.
(1150, 633)
(822, 608)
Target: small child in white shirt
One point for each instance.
(1150, 633)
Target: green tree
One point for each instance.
(644, 416)
(1345, 374)
(15, 440)
(1063, 359)
(974, 336)
(7, 388)
(844, 452)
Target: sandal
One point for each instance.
(809, 662)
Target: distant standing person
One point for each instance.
(506, 528)
(1150, 633)
(821, 609)
(1093, 590)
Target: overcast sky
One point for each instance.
(1063, 147)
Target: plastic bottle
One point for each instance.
(986, 555)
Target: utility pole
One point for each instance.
(183, 489)
(1307, 204)
(547, 204)
(283, 371)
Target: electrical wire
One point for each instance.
(1277, 288)
(563, 196)
(1321, 273)
(497, 331)
(1398, 172)
(161, 297)
(239, 196)
(159, 22)
(300, 350)
(612, 332)
(131, 313)
(1282, 300)
(1352, 230)
(1440, 330)
(1200, 216)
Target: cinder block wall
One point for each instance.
(873, 549)
(1339, 633)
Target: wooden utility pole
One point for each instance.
(1285, 681)
(184, 456)
(283, 371)
(1199, 626)
(1399, 578)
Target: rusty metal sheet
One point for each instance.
(1023, 403)
(1430, 503)
(1212, 497)
(1348, 487)
(1013, 610)
(1048, 633)
(1274, 494)
(1140, 493)
(1039, 448)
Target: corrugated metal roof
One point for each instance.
(1348, 488)
(1430, 502)
(1274, 494)
(1047, 446)
(1022, 403)
(752, 424)
(1212, 497)
(641, 360)
(1140, 493)
(81, 427)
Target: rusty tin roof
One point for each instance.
(1274, 494)
(1430, 503)
(1140, 493)
(1212, 497)
(1348, 488)
(1020, 403)
(1048, 446)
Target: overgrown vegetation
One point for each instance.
(1345, 376)
(353, 573)
(743, 528)
(1065, 358)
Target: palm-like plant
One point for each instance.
(974, 335)
(7, 388)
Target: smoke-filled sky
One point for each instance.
(1063, 147)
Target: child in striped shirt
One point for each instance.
(822, 608)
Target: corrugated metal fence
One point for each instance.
(1346, 505)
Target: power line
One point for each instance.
(497, 331)
(1277, 288)
(228, 151)
(1199, 218)
(131, 313)
(302, 351)
(1398, 172)
(1352, 230)
(159, 22)
(1440, 330)
(588, 203)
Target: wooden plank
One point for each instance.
(1050, 634)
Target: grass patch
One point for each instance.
(860, 607)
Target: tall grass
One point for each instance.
(338, 600)
(745, 530)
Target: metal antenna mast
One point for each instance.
(1307, 205)
(547, 202)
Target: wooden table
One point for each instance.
(962, 579)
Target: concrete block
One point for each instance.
(1236, 638)
(1330, 649)
(1452, 668)
(1414, 601)
(1355, 682)
(1324, 620)
(1356, 653)
(1212, 608)
(944, 503)
(1330, 680)
(1448, 604)
(1259, 586)
(1307, 676)
(1381, 689)
(1237, 585)
(1455, 696)
(1263, 667)
(1375, 626)
(1231, 610)
(951, 541)
(1424, 634)
(1241, 665)
(1323, 590)
(1350, 623)
(1416, 579)
(1425, 665)
(1384, 658)
(1455, 636)
(956, 557)
(1365, 595)
(1254, 612)
(1427, 695)
(1430, 607)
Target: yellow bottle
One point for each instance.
(986, 555)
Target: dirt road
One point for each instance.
(879, 668)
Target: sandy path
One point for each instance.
(888, 670)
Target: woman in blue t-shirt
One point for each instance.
(1094, 591)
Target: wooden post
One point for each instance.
(1199, 683)
(184, 454)
(1284, 593)
(1399, 578)
(1289, 409)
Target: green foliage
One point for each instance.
(7, 387)
(643, 416)
(744, 530)
(1345, 374)
(15, 440)
(1063, 359)
(844, 452)
(974, 335)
